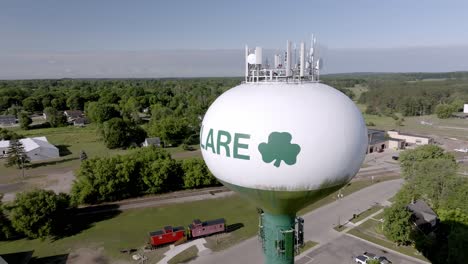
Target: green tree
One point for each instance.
(103, 179)
(6, 134)
(162, 175)
(434, 180)
(31, 104)
(6, 229)
(409, 158)
(197, 174)
(25, 121)
(39, 213)
(444, 111)
(16, 154)
(172, 130)
(396, 225)
(100, 113)
(115, 133)
(75, 102)
(59, 103)
(55, 117)
(118, 133)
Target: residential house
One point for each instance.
(7, 120)
(423, 217)
(152, 142)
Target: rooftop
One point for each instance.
(30, 143)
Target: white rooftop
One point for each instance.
(30, 143)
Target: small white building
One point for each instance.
(152, 142)
(410, 138)
(465, 108)
(36, 149)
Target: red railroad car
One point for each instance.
(200, 229)
(166, 235)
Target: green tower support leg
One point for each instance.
(279, 238)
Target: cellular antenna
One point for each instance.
(284, 69)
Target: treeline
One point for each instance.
(411, 94)
(143, 171)
(173, 109)
(414, 98)
(431, 176)
(150, 170)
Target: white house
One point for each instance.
(152, 142)
(36, 149)
(465, 108)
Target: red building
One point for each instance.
(166, 235)
(200, 229)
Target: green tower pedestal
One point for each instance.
(278, 237)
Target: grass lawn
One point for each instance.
(307, 245)
(339, 228)
(129, 229)
(452, 127)
(378, 216)
(366, 213)
(71, 141)
(370, 230)
(187, 255)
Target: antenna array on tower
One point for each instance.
(286, 68)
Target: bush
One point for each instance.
(39, 213)
(196, 174)
(145, 170)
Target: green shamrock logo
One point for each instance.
(279, 148)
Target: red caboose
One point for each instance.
(166, 235)
(199, 229)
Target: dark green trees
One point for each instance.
(118, 133)
(25, 121)
(55, 117)
(39, 213)
(196, 174)
(16, 155)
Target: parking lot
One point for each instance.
(344, 250)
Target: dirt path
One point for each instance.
(57, 182)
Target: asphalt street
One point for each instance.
(318, 224)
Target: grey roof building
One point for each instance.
(7, 120)
(423, 216)
(152, 142)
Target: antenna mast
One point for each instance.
(286, 69)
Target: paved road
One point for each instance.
(318, 224)
(344, 249)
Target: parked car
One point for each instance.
(369, 255)
(383, 260)
(361, 259)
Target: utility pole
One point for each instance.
(22, 164)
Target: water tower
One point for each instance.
(283, 140)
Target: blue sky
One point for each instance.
(62, 30)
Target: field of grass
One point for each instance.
(452, 127)
(71, 141)
(185, 256)
(110, 234)
(366, 213)
(130, 228)
(370, 230)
